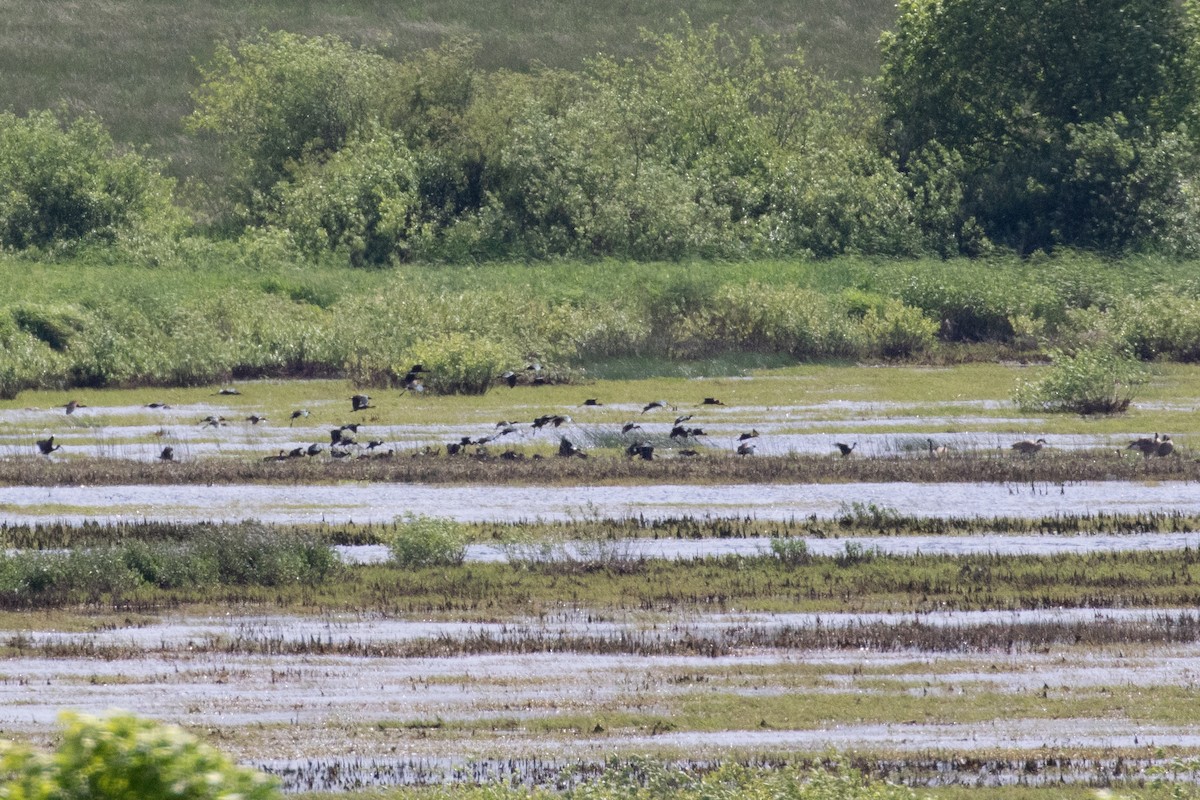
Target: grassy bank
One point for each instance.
(217, 312)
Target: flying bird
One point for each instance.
(753, 434)
(653, 404)
(297, 414)
(845, 449)
(72, 405)
(47, 446)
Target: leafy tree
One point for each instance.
(280, 98)
(1019, 90)
(66, 183)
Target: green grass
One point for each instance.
(134, 62)
(751, 584)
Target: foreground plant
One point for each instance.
(122, 757)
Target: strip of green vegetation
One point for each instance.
(236, 556)
(220, 314)
(518, 468)
(606, 535)
(969, 705)
(301, 577)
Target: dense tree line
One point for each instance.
(1028, 125)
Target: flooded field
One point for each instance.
(334, 714)
(345, 701)
(385, 502)
(209, 430)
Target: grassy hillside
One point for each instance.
(133, 61)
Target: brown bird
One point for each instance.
(167, 454)
(1027, 447)
(1145, 445)
(711, 401)
(653, 404)
(630, 426)
(592, 401)
(47, 446)
(297, 414)
(845, 449)
(254, 419)
(72, 405)
(753, 434)
(360, 402)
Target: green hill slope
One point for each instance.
(133, 61)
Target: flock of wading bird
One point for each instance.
(343, 440)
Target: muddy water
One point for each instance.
(385, 502)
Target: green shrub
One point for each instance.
(895, 330)
(421, 541)
(1099, 380)
(458, 363)
(65, 183)
(121, 757)
(800, 322)
(792, 552)
(361, 201)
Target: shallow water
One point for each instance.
(386, 502)
(683, 549)
(187, 633)
(139, 433)
(349, 713)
